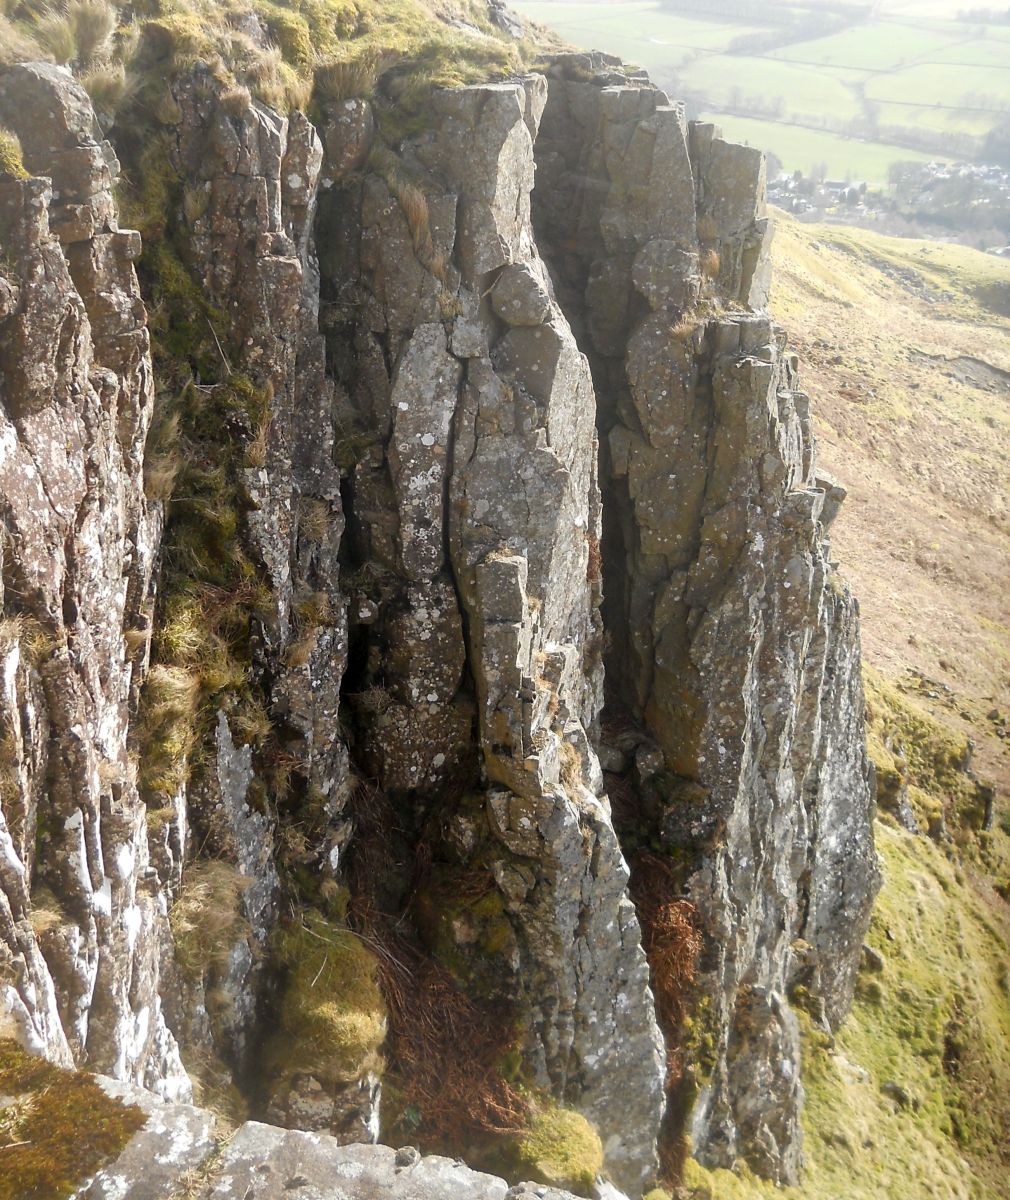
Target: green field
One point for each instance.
(943, 83)
(804, 91)
(803, 149)
(910, 83)
(638, 30)
(879, 47)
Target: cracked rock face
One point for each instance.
(78, 559)
(531, 466)
(736, 646)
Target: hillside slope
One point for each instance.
(906, 345)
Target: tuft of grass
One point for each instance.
(108, 86)
(167, 730)
(17, 44)
(256, 451)
(206, 919)
(47, 913)
(313, 519)
(78, 31)
(709, 263)
(12, 161)
(236, 100)
(338, 79)
(59, 1128)
(34, 641)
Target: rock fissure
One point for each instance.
(321, 731)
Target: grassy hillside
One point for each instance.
(311, 50)
(817, 84)
(905, 349)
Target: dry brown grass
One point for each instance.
(444, 1049)
(571, 766)
(46, 912)
(78, 31)
(108, 85)
(345, 79)
(672, 944)
(236, 101)
(256, 451)
(29, 634)
(882, 326)
(313, 519)
(160, 474)
(206, 919)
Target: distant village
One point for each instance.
(959, 202)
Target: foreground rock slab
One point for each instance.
(178, 1154)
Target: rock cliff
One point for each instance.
(426, 666)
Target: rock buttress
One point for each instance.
(735, 657)
(475, 517)
(82, 915)
(395, 536)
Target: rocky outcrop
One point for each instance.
(478, 500)
(84, 922)
(477, 483)
(180, 1151)
(735, 646)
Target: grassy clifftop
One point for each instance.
(285, 53)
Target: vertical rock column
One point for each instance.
(736, 650)
(83, 922)
(478, 507)
(249, 238)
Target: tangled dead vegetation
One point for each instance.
(672, 943)
(444, 1050)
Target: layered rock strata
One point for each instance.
(467, 450)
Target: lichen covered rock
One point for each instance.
(311, 732)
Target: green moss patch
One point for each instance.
(911, 749)
(57, 1128)
(332, 1018)
(460, 915)
(561, 1149)
(11, 161)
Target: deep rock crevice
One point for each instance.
(440, 437)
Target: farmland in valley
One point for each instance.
(844, 87)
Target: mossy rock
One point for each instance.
(471, 935)
(59, 1129)
(561, 1149)
(332, 1016)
